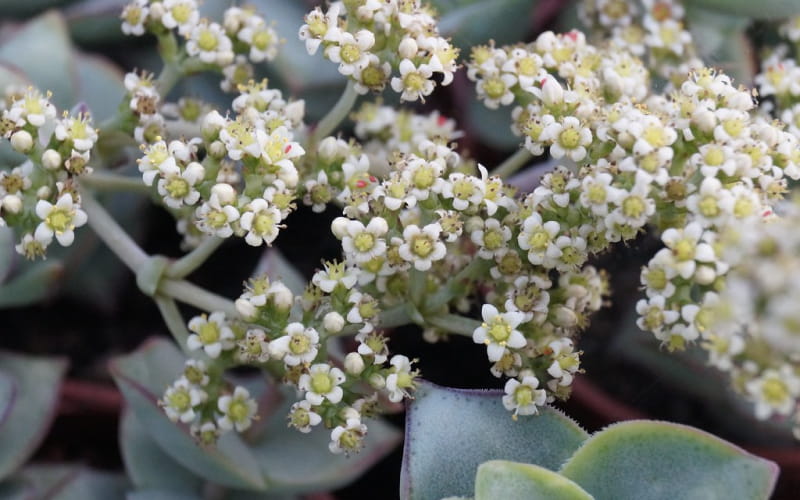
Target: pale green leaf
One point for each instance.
(651, 460)
(512, 480)
(35, 282)
(763, 9)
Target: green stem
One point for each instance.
(107, 181)
(335, 116)
(453, 323)
(186, 265)
(173, 319)
(417, 283)
(446, 293)
(512, 163)
(169, 76)
(200, 298)
(111, 233)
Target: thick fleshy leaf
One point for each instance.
(37, 381)
(7, 252)
(651, 460)
(512, 480)
(45, 38)
(95, 21)
(142, 377)
(722, 42)
(449, 432)
(71, 482)
(294, 462)
(148, 467)
(474, 22)
(493, 126)
(36, 282)
(763, 9)
(18, 8)
(99, 85)
(160, 495)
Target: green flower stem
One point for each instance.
(111, 233)
(446, 293)
(453, 323)
(512, 163)
(335, 116)
(186, 265)
(416, 287)
(107, 181)
(200, 298)
(169, 76)
(173, 319)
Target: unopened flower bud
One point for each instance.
(217, 150)
(156, 11)
(354, 363)
(339, 227)
(552, 93)
(564, 316)
(246, 308)
(21, 141)
(377, 381)
(408, 48)
(705, 120)
(225, 193)
(295, 111)
(12, 203)
(327, 149)
(212, 123)
(333, 322)
(51, 160)
(705, 275)
(44, 192)
(282, 297)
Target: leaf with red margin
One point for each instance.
(37, 380)
(142, 377)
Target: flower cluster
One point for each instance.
(650, 29)
(39, 197)
(243, 38)
(370, 38)
(238, 175)
(778, 82)
(750, 327)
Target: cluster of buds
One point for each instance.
(369, 39)
(779, 81)
(652, 30)
(243, 38)
(39, 197)
(239, 176)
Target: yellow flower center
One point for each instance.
(414, 82)
(350, 53)
(180, 400)
(59, 220)
(421, 245)
(181, 12)
(499, 330)
(262, 39)
(569, 138)
(523, 395)
(177, 187)
(321, 383)
(494, 87)
(299, 344)
(263, 224)
(238, 411)
(208, 333)
(207, 41)
(364, 241)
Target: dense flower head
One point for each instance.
(371, 41)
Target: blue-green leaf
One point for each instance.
(70, 482)
(146, 463)
(650, 460)
(294, 462)
(36, 282)
(501, 479)
(37, 381)
(142, 377)
(476, 22)
(763, 9)
(449, 432)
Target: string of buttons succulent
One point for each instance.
(645, 136)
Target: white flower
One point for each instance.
(654, 317)
(214, 217)
(211, 333)
(774, 391)
(237, 410)
(568, 138)
(322, 382)
(422, 247)
(299, 345)
(181, 14)
(209, 43)
(178, 187)
(498, 331)
(401, 378)
(687, 248)
(181, 399)
(492, 239)
(133, 16)
(254, 348)
(365, 243)
(538, 239)
(262, 39)
(60, 220)
(351, 51)
(464, 190)
(414, 82)
(261, 221)
(320, 27)
(302, 417)
(333, 275)
(348, 438)
(524, 397)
